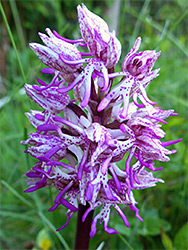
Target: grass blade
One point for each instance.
(17, 22)
(12, 190)
(124, 240)
(139, 20)
(18, 216)
(52, 227)
(13, 42)
(159, 28)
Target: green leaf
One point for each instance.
(121, 228)
(151, 213)
(21, 216)
(151, 226)
(125, 241)
(181, 239)
(167, 243)
(118, 224)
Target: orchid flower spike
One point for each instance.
(79, 141)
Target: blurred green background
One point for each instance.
(25, 220)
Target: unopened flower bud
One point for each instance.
(54, 49)
(102, 44)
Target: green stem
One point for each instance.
(12, 40)
(138, 22)
(124, 240)
(17, 22)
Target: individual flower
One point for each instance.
(49, 98)
(43, 175)
(50, 55)
(136, 72)
(37, 118)
(147, 145)
(140, 64)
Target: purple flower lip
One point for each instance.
(48, 71)
(84, 80)
(168, 143)
(121, 90)
(67, 40)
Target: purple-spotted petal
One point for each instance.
(113, 51)
(49, 99)
(139, 64)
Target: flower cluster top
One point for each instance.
(79, 141)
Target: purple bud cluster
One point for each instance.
(80, 142)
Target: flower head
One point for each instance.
(79, 142)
